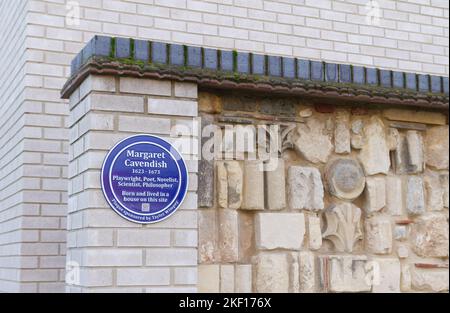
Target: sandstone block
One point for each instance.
(434, 191)
(375, 194)
(389, 276)
(209, 103)
(305, 189)
(272, 272)
(415, 197)
(374, 154)
(436, 147)
(229, 184)
(280, 230)
(405, 282)
(314, 232)
(253, 186)
(431, 280)
(307, 271)
(243, 278)
(208, 278)
(228, 235)
(207, 237)
(312, 141)
(226, 278)
(394, 195)
(402, 252)
(276, 187)
(379, 234)
(246, 236)
(429, 235)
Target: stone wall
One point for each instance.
(107, 253)
(357, 200)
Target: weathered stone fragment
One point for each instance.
(415, 150)
(436, 147)
(400, 232)
(434, 191)
(208, 278)
(246, 236)
(276, 187)
(305, 189)
(432, 280)
(228, 235)
(405, 284)
(243, 278)
(314, 232)
(389, 278)
(357, 142)
(375, 194)
(393, 138)
(307, 271)
(379, 234)
(402, 252)
(415, 198)
(227, 278)
(272, 272)
(409, 155)
(229, 184)
(280, 230)
(207, 236)
(342, 132)
(294, 281)
(344, 273)
(374, 154)
(394, 195)
(253, 186)
(209, 103)
(312, 142)
(345, 179)
(343, 226)
(429, 235)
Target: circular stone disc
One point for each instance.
(345, 179)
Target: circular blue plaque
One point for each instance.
(144, 179)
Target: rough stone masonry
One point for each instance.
(358, 203)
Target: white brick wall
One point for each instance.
(113, 253)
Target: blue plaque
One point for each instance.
(144, 179)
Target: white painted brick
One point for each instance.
(143, 238)
(145, 86)
(143, 276)
(112, 257)
(185, 276)
(185, 238)
(105, 102)
(186, 90)
(97, 277)
(144, 124)
(171, 257)
(172, 107)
